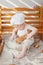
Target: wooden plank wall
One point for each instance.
(0, 27)
(32, 16)
(41, 22)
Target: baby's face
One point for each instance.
(20, 26)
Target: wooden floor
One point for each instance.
(34, 52)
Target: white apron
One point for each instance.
(13, 49)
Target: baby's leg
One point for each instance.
(28, 42)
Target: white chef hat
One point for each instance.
(18, 18)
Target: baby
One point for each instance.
(20, 37)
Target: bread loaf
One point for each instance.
(21, 39)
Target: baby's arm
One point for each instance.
(33, 31)
(23, 52)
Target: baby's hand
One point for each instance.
(19, 57)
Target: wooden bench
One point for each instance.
(32, 16)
